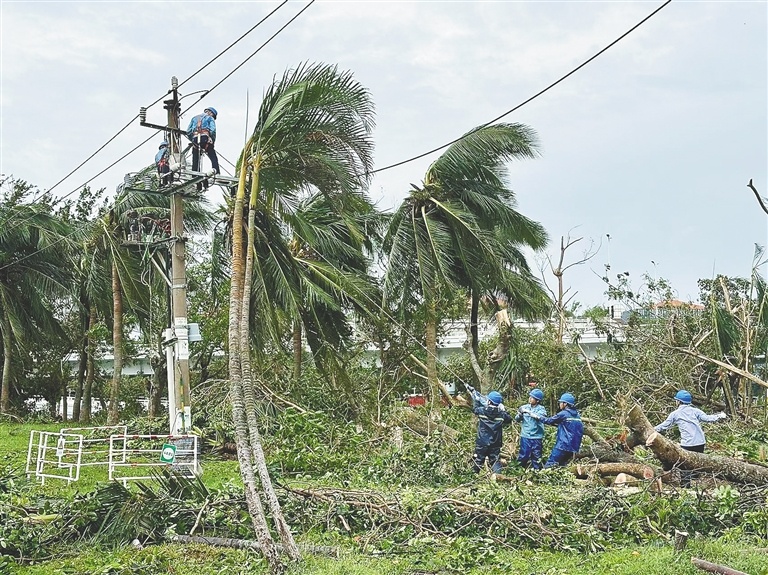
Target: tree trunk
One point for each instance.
(431, 345)
(117, 344)
(85, 320)
(480, 376)
(670, 454)
(5, 392)
(297, 350)
(64, 402)
(638, 470)
(82, 364)
(474, 337)
(286, 537)
(159, 379)
(715, 568)
(244, 452)
(90, 373)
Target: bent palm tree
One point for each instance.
(460, 229)
(312, 135)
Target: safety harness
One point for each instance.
(200, 131)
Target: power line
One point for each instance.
(121, 158)
(552, 85)
(211, 61)
(376, 304)
(272, 37)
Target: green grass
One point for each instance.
(201, 559)
(418, 556)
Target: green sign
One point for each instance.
(168, 454)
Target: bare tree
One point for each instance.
(563, 296)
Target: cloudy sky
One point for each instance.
(650, 145)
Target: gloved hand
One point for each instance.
(534, 415)
(469, 388)
(521, 410)
(721, 415)
(501, 407)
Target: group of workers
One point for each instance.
(202, 133)
(493, 416)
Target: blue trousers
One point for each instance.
(491, 452)
(530, 452)
(559, 457)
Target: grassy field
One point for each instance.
(748, 556)
(201, 559)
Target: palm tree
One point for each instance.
(32, 271)
(460, 228)
(312, 136)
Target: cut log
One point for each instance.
(637, 470)
(681, 540)
(715, 568)
(672, 455)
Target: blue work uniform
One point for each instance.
(202, 133)
(531, 434)
(688, 418)
(489, 435)
(162, 165)
(570, 430)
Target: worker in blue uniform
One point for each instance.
(492, 417)
(532, 430)
(570, 431)
(202, 133)
(162, 163)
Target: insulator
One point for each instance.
(174, 82)
(143, 115)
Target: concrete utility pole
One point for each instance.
(181, 420)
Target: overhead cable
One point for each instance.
(121, 158)
(211, 61)
(552, 85)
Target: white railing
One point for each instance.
(96, 443)
(133, 457)
(61, 454)
(51, 453)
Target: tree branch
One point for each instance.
(757, 195)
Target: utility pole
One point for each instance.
(176, 338)
(181, 420)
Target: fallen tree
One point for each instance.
(638, 470)
(672, 455)
(715, 568)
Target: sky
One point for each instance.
(645, 153)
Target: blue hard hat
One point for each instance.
(683, 396)
(567, 398)
(495, 397)
(537, 394)
(212, 111)
(163, 144)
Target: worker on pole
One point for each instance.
(202, 133)
(162, 163)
